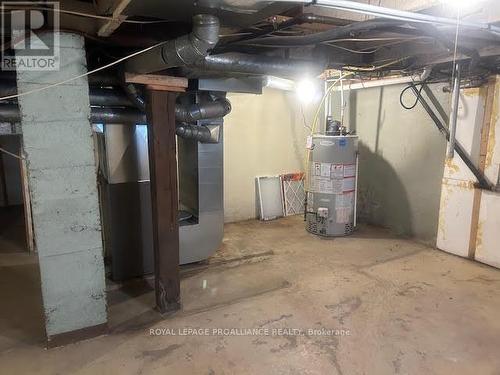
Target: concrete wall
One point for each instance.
(263, 135)
(469, 217)
(401, 159)
(62, 180)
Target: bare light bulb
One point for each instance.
(306, 90)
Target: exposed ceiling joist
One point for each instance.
(86, 25)
(118, 17)
(406, 5)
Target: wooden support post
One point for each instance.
(489, 93)
(163, 175)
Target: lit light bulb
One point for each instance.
(306, 90)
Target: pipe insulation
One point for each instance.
(11, 113)
(108, 114)
(198, 111)
(235, 62)
(197, 132)
(184, 50)
(192, 51)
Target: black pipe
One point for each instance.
(483, 182)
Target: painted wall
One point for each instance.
(263, 135)
(401, 153)
(401, 159)
(58, 143)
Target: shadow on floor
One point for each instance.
(12, 233)
(21, 312)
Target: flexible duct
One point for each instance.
(192, 51)
(234, 62)
(198, 111)
(117, 116)
(109, 98)
(192, 113)
(185, 50)
(185, 113)
(10, 113)
(196, 132)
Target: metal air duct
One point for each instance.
(234, 62)
(184, 50)
(198, 111)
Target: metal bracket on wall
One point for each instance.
(482, 180)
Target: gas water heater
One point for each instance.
(331, 184)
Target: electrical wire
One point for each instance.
(316, 115)
(376, 39)
(352, 50)
(410, 86)
(11, 154)
(82, 75)
(304, 117)
(234, 34)
(374, 49)
(375, 67)
(89, 15)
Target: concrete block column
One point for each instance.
(62, 179)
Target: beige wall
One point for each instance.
(263, 135)
(401, 159)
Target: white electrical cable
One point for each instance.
(12, 154)
(81, 75)
(88, 15)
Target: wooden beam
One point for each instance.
(28, 218)
(110, 26)
(489, 92)
(406, 5)
(163, 176)
(156, 80)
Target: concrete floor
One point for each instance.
(404, 309)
